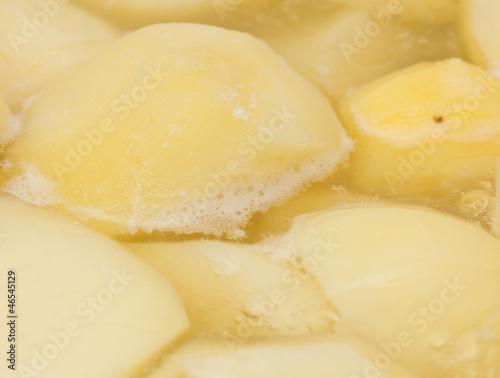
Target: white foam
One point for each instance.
(31, 186)
(228, 214)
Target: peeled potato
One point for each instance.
(278, 220)
(43, 40)
(479, 27)
(232, 291)
(85, 304)
(336, 356)
(426, 12)
(421, 285)
(496, 215)
(428, 130)
(193, 130)
(4, 112)
(342, 50)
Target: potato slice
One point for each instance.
(419, 284)
(42, 41)
(233, 291)
(428, 130)
(85, 305)
(336, 356)
(194, 129)
(340, 51)
(479, 28)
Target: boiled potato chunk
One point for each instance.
(278, 219)
(421, 285)
(43, 40)
(496, 215)
(4, 112)
(135, 14)
(426, 12)
(479, 27)
(342, 50)
(336, 356)
(236, 292)
(85, 305)
(193, 130)
(428, 130)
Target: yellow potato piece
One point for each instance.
(43, 40)
(431, 129)
(420, 12)
(4, 112)
(233, 291)
(134, 14)
(278, 220)
(338, 356)
(192, 130)
(496, 215)
(479, 28)
(342, 50)
(85, 305)
(419, 284)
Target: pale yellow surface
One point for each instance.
(133, 14)
(86, 306)
(428, 130)
(340, 50)
(4, 112)
(423, 284)
(422, 12)
(496, 216)
(336, 356)
(192, 130)
(233, 291)
(480, 29)
(40, 41)
(278, 219)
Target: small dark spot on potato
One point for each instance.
(438, 119)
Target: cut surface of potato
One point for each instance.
(43, 40)
(85, 306)
(338, 356)
(234, 291)
(480, 28)
(419, 284)
(428, 130)
(194, 129)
